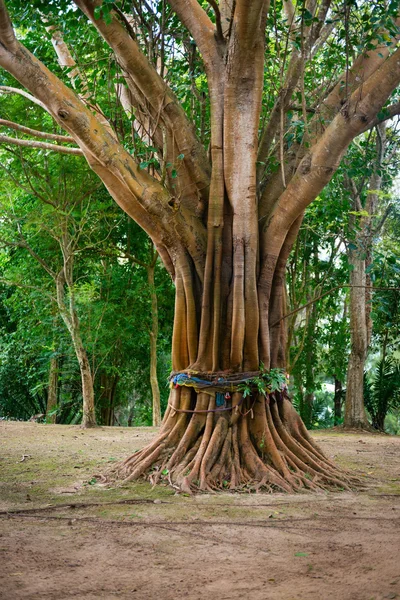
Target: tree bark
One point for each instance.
(88, 416)
(108, 386)
(70, 317)
(52, 391)
(338, 402)
(355, 416)
(153, 334)
(360, 297)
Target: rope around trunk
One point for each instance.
(219, 381)
(215, 383)
(210, 410)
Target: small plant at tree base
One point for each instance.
(267, 382)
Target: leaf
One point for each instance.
(301, 554)
(359, 213)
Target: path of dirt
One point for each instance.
(336, 546)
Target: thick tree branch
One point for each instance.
(318, 166)
(199, 25)
(365, 65)
(66, 60)
(388, 112)
(7, 37)
(139, 194)
(72, 115)
(164, 106)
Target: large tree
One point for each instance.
(224, 219)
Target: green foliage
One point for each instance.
(382, 391)
(319, 270)
(45, 199)
(267, 382)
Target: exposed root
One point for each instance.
(261, 445)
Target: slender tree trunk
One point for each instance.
(71, 320)
(88, 416)
(380, 415)
(153, 333)
(309, 397)
(52, 391)
(380, 421)
(307, 412)
(108, 385)
(338, 401)
(131, 415)
(360, 297)
(355, 416)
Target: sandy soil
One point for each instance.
(156, 545)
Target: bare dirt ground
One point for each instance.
(161, 546)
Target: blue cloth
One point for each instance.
(219, 399)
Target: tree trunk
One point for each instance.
(131, 415)
(306, 410)
(108, 385)
(155, 390)
(361, 297)
(214, 435)
(309, 397)
(88, 411)
(379, 422)
(355, 416)
(71, 320)
(338, 402)
(228, 324)
(52, 391)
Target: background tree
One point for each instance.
(316, 342)
(43, 226)
(382, 391)
(364, 222)
(52, 226)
